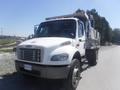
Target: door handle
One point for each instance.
(80, 40)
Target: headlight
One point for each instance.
(60, 57)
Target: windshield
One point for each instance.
(58, 28)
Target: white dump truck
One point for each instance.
(58, 46)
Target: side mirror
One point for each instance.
(14, 49)
(35, 28)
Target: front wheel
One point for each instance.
(74, 76)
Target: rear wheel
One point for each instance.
(92, 56)
(74, 76)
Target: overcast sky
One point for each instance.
(17, 17)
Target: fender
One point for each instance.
(68, 49)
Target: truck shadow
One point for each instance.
(17, 81)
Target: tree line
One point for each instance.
(107, 34)
(116, 36)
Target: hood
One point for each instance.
(46, 42)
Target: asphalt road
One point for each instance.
(104, 76)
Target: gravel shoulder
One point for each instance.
(7, 65)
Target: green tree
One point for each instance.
(116, 35)
(102, 25)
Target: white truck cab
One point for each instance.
(57, 48)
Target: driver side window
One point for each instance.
(80, 30)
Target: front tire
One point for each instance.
(74, 76)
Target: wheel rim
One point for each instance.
(75, 76)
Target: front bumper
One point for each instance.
(44, 71)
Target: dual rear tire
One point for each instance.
(92, 56)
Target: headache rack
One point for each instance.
(80, 15)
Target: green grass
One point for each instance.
(6, 41)
(6, 50)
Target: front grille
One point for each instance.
(30, 54)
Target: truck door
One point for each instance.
(81, 38)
